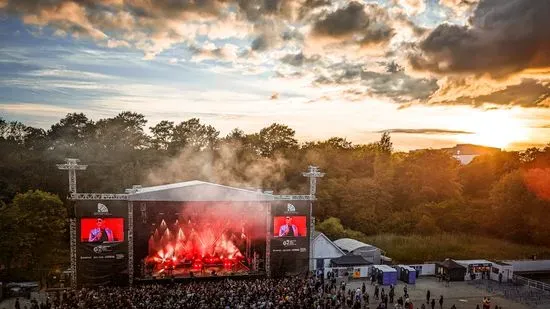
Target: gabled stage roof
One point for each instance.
(195, 191)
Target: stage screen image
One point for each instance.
(101, 230)
(290, 226)
(204, 238)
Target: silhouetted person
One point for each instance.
(428, 297)
(433, 303)
(17, 304)
(441, 302)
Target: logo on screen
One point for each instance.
(290, 208)
(101, 249)
(289, 242)
(102, 208)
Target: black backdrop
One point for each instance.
(290, 255)
(106, 263)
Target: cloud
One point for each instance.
(398, 86)
(503, 37)
(413, 7)
(363, 24)
(459, 7)
(524, 92)
(424, 131)
(299, 59)
(209, 51)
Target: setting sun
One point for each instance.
(496, 129)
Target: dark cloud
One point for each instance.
(299, 59)
(424, 131)
(503, 37)
(364, 24)
(343, 22)
(260, 43)
(398, 86)
(528, 93)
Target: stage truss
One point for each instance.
(72, 165)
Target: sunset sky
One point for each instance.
(432, 72)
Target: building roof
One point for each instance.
(502, 263)
(468, 262)
(349, 245)
(317, 235)
(350, 260)
(465, 159)
(450, 264)
(385, 268)
(196, 190)
(407, 267)
(530, 265)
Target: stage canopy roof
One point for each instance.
(196, 190)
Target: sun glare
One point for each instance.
(496, 129)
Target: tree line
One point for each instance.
(370, 188)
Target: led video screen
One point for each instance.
(101, 230)
(290, 226)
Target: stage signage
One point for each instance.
(102, 245)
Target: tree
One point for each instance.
(515, 208)
(194, 135)
(385, 144)
(162, 135)
(32, 229)
(276, 138)
(72, 131)
(332, 227)
(124, 132)
(426, 176)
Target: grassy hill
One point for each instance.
(417, 248)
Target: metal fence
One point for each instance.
(534, 294)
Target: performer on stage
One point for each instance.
(101, 233)
(289, 229)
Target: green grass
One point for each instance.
(417, 248)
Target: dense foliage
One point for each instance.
(370, 188)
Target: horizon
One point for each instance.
(433, 73)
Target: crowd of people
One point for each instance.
(291, 292)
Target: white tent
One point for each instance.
(355, 247)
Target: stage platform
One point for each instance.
(249, 276)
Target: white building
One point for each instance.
(323, 251)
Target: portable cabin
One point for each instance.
(406, 274)
(476, 269)
(502, 271)
(385, 274)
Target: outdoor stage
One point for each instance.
(198, 239)
(187, 230)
